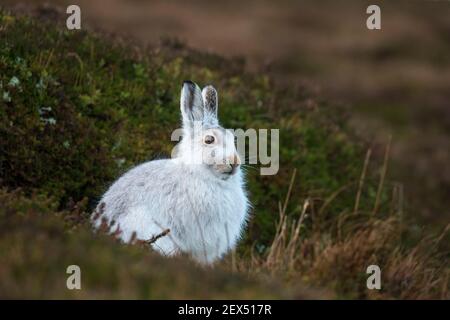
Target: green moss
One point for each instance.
(81, 110)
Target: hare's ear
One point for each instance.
(211, 102)
(191, 103)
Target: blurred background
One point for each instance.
(394, 81)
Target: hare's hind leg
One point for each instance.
(140, 222)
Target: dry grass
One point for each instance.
(337, 254)
(322, 260)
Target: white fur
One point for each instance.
(204, 208)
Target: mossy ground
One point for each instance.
(77, 110)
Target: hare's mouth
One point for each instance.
(221, 175)
(225, 176)
(225, 171)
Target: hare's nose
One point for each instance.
(234, 163)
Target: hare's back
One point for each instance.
(137, 186)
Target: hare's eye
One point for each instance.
(209, 139)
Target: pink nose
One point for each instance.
(234, 162)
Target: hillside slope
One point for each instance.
(78, 109)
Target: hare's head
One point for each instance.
(204, 141)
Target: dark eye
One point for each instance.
(209, 139)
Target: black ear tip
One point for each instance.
(188, 82)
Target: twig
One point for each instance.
(383, 176)
(156, 237)
(288, 195)
(361, 181)
(178, 247)
(281, 228)
(293, 241)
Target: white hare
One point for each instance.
(199, 195)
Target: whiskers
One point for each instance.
(247, 165)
